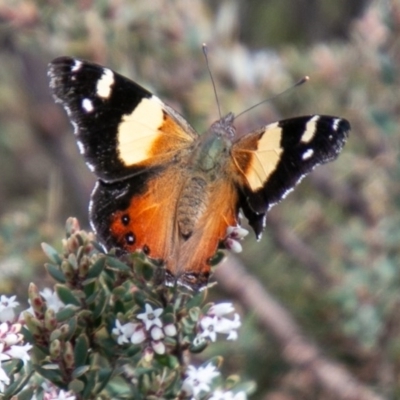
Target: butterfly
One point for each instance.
(169, 192)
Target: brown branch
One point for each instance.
(297, 350)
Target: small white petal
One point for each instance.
(139, 336)
(170, 330)
(233, 245)
(221, 309)
(150, 316)
(156, 333)
(21, 352)
(158, 347)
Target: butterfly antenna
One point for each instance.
(300, 82)
(211, 76)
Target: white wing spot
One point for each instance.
(87, 105)
(77, 66)
(307, 154)
(81, 147)
(75, 126)
(104, 84)
(335, 124)
(310, 130)
(90, 166)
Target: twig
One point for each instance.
(297, 350)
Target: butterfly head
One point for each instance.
(224, 128)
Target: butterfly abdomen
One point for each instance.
(192, 204)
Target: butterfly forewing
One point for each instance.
(274, 159)
(121, 128)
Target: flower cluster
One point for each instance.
(112, 309)
(234, 234)
(201, 382)
(11, 340)
(51, 392)
(214, 321)
(150, 329)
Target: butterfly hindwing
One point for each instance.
(274, 159)
(121, 128)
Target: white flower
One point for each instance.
(4, 379)
(214, 322)
(7, 306)
(51, 392)
(240, 396)
(3, 355)
(62, 395)
(52, 299)
(158, 347)
(8, 302)
(229, 327)
(21, 352)
(150, 316)
(11, 343)
(156, 333)
(233, 235)
(170, 330)
(221, 309)
(208, 325)
(233, 245)
(228, 395)
(220, 395)
(139, 335)
(123, 332)
(129, 332)
(236, 232)
(199, 379)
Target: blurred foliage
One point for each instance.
(330, 252)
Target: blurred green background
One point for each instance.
(330, 253)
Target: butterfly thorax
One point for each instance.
(214, 145)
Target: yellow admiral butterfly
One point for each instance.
(166, 190)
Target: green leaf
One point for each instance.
(76, 386)
(66, 296)
(104, 376)
(72, 260)
(72, 325)
(194, 314)
(102, 302)
(217, 258)
(196, 301)
(168, 361)
(118, 265)
(81, 350)
(55, 273)
(198, 348)
(50, 372)
(78, 372)
(51, 253)
(140, 371)
(90, 384)
(25, 394)
(97, 268)
(18, 385)
(247, 387)
(66, 313)
(56, 334)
